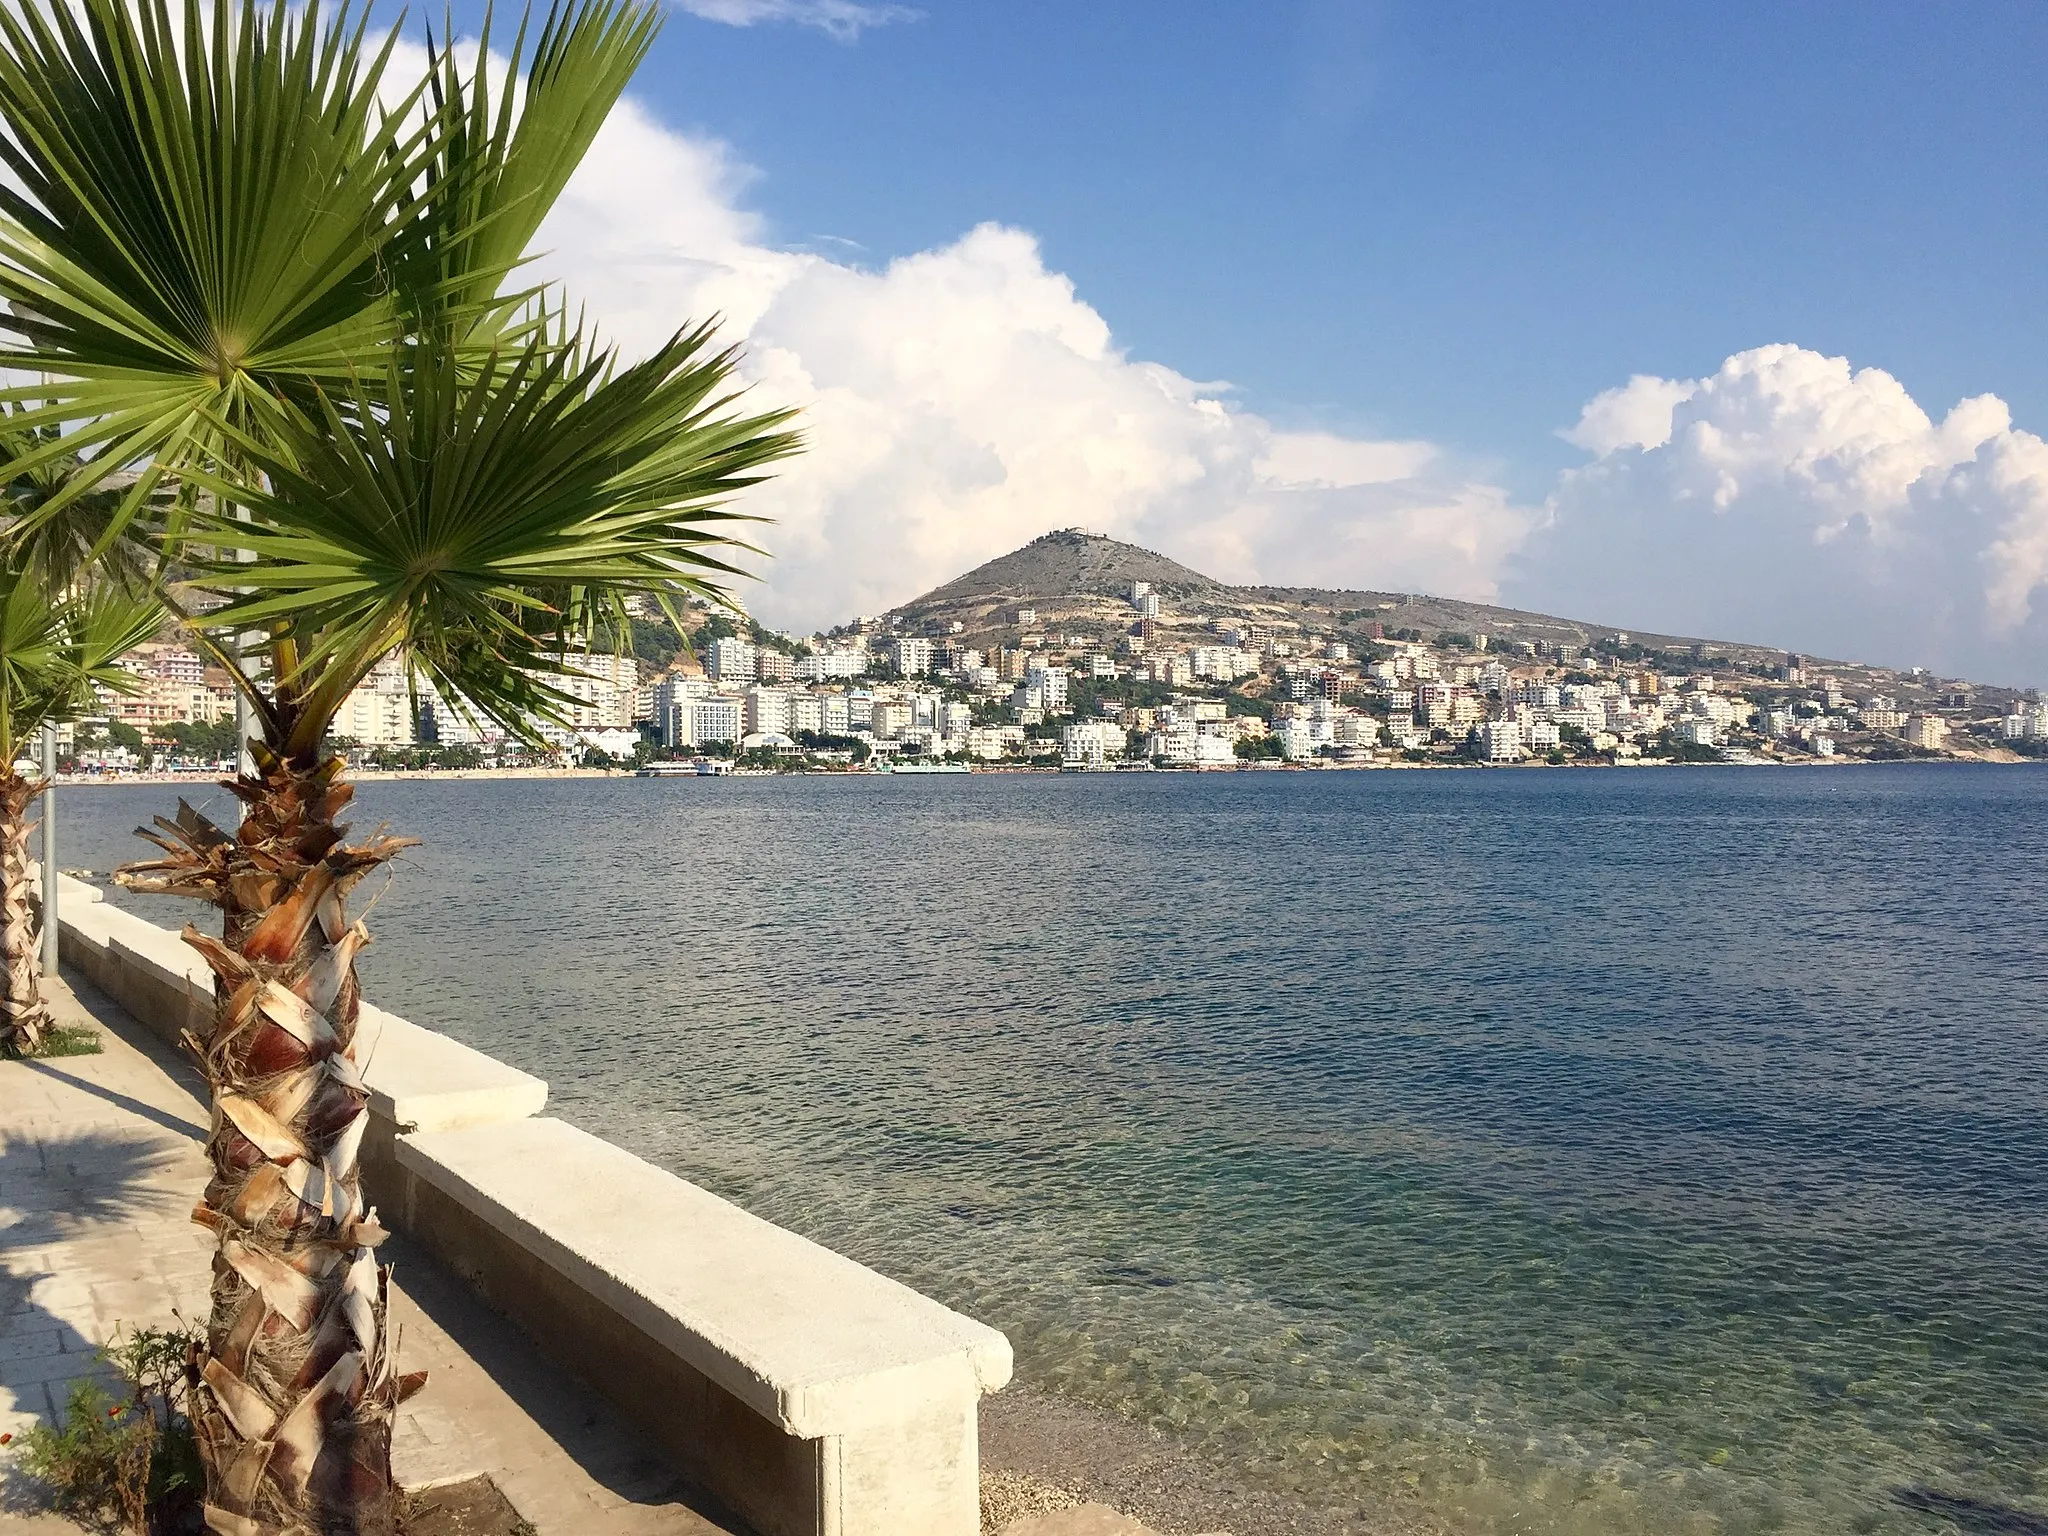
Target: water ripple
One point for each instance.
(1572, 1153)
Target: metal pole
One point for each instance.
(50, 929)
(245, 720)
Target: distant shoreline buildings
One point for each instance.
(1098, 682)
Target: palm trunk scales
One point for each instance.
(24, 1015)
(296, 1386)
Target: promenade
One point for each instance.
(101, 1158)
(100, 1161)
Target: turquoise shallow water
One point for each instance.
(1573, 1152)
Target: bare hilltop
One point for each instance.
(1070, 573)
(1071, 579)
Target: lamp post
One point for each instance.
(50, 931)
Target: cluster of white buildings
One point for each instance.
(934, 695)
(2029, 723)
(173, 686)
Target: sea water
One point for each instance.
(1563, 1151)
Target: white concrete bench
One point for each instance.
(812, 1395)
(809, 1393)
(418, 1078)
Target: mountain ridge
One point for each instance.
(1071, 563)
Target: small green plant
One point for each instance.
(128, 1465)
(66, 1040)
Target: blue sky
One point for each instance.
(1313, 293)
(1445, 220)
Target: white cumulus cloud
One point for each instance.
(1791, 498)
(843, 19)
(960, 401)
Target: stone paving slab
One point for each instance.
(101, 1159)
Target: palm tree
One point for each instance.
(72, 603)
(55, 646)
(243, 279)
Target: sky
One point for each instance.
(1704, 318)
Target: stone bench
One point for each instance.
(418, 1078)
(812, 1395)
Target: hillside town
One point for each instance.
(1130, 680)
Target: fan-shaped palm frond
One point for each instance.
(202, 204)
(87, 532)
(58, 648)
(453, 515)
(509, 143)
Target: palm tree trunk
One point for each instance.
(296, 1389)
(24, 1016)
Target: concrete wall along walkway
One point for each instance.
(813, 1396)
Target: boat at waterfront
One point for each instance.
(925, 768)
(696, 767)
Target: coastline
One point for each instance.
(388, 775)
(1092, 1455)
(356, 776)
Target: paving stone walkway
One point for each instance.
(100, 1163)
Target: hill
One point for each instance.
(1065, 563)
(1071, 580)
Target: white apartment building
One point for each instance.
(1090, 743)
(1174, 671)
(912, 656)
(829, 666)
(1698, 730)
(1222, 663)
(991, 743)
(1351, 729)
(1184, 743)
(1500, 741)
(767, 710)
(379, 711)
(446, 723)
(1927, 731)
(2027, 722)
(600, 691)
(1051, 683)
(672, 699)
(892, 717)
(172, 663)
(1300, 736)
(732, 660)
(773, 666)
(1537, 696)
(806, 713)
(717, 717)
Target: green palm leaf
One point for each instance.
(457, 514)
(203, 221)
(506, 154)
(57, 648)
